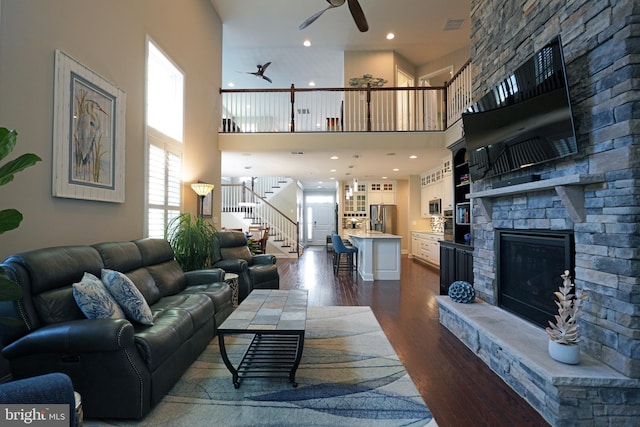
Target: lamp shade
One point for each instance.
(202, 188)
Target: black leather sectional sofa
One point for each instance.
(120, 367)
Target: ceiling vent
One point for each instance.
(303, 111)
(452, 24)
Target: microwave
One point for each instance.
(435, 207)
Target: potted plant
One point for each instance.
(564, 334)
(10, 218)
(191, 239)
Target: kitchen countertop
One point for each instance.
(370, 234)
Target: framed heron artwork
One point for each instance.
(88, 134)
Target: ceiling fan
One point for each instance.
(354, 7)
(260, 72)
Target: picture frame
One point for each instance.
(88, 134)
(207, 205)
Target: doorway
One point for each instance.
(320, 218)
(404, 102)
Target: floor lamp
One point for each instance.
(202, 189)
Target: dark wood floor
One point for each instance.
(458, 388)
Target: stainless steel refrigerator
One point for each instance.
(383, 218)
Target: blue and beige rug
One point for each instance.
(349, 376)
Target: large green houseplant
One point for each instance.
(191, 239)
(11, 218)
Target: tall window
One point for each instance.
(165, 128)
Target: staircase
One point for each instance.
(243, 206)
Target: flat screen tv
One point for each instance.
(524, 120)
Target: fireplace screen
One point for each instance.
(529, 265)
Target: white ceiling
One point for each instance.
(258, 31)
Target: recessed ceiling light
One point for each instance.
(396, 169)
(307, 43)
(230, 84)
(413, 157)
(332, 170)
(391, 36)
(334, 157)
(332, 178)
(384, 177)
(312, 83)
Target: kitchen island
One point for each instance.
(378, 254)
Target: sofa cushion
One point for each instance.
(57, 305)
(145, 284)
(128, 296)
(237, 252)
(119, 256)
(94, 300)
(169, 277)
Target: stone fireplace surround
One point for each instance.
(590, 393)
(595, 194)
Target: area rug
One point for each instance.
(349, 376)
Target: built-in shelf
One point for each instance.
(569, 188)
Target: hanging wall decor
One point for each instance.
(88, 134)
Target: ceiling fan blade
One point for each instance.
(264, 67)
(310, 20)
(358, 15)
(267, 79)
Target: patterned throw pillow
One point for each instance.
(94, 300)
(128, 296)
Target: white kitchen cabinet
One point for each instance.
(382, 192)
(425, 247)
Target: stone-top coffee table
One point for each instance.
(277, 319)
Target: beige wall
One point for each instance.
(456, 59)
(109, 37)
(376, 63)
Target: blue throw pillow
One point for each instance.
(94, 300)
(128, 296)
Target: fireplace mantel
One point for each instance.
(569, 188)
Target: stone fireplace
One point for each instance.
(593, 196)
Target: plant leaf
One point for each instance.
(9, 219)
(7, 141)
(16, 165)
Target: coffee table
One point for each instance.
(277, 320)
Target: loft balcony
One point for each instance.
(362, 109)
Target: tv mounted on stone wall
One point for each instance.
(524, 120)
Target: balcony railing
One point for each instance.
(369, 109)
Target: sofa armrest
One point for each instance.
(77, 336)
(203, 277)
(237, 266)
(264, 259)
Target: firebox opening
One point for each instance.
(529, 265)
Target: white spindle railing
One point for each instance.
(283, 231)
(459, 93)
(333, 110)
(370, 109)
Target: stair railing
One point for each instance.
(283, 231)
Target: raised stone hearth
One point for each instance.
(590, 393)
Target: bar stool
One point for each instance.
(339, 249)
